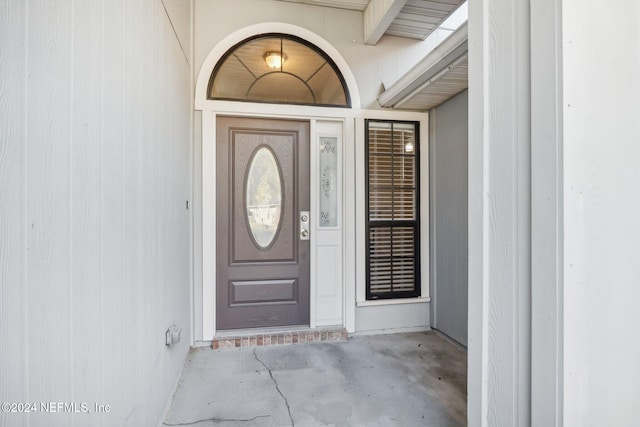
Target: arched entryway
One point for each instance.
(296, 111)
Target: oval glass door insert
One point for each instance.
(263, 197)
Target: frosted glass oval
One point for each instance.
(264, 197)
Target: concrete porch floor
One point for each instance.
(411, 379)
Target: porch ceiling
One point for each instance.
(441, 75)
(414, 19)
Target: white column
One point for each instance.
(499, 213)
(601, 160)
(546, 219)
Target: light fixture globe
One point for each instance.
(274, 59)
(408, 147)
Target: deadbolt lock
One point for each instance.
(304, 225)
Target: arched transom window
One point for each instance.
(278, 68)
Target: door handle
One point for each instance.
(304, 225)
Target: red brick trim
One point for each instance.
(280, 338)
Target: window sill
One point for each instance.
(420, 300)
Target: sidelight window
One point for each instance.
(392, 210)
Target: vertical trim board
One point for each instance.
(546, 227)
(113, 188)
(13, 130)
(208, 224)
(48, 189)
(499, 206)
(349, 215)
(86, 208)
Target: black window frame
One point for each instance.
(415, 223)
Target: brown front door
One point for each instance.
(262, 188)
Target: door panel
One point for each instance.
(262, 185)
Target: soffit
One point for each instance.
(416, 19)
(338, 4)
(441, 75)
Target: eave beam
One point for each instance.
(378, 15)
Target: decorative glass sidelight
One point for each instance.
(264, 197)
(328, 182)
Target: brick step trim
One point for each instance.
(302, 336)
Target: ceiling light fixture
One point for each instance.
(274, 59)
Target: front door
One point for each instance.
(262, 245)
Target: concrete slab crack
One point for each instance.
(286, 402)
(217, 420)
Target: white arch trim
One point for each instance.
(201, 101)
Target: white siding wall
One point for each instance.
(94, 234)
(602, 213)
(448, 156)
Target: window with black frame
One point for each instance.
(393, 259)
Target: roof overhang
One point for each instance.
(438, 77)
(414, 19)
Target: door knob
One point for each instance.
(304, 233)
